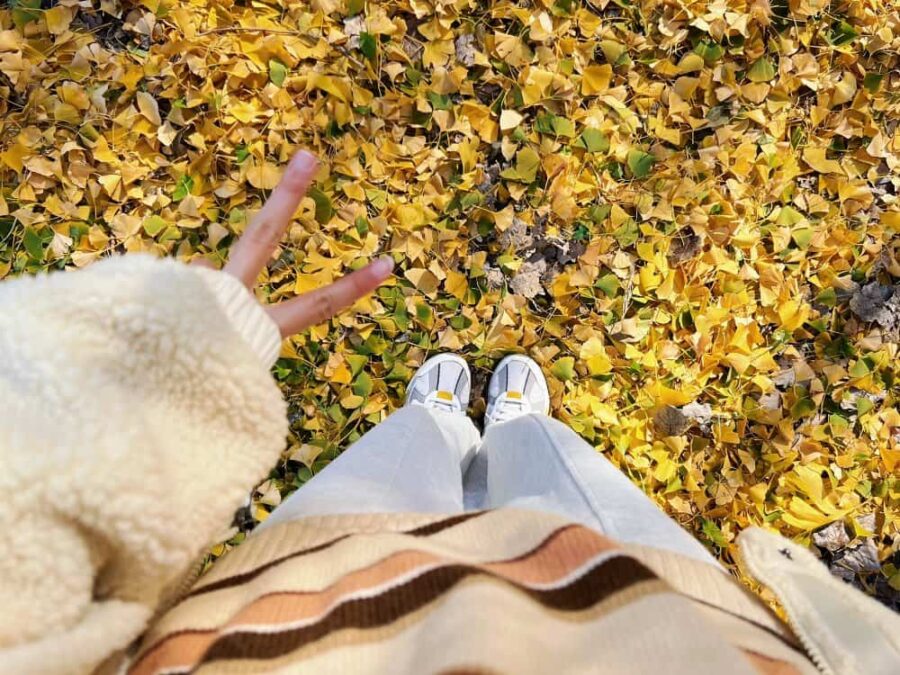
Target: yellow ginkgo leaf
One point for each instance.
(424, 280)
(510, 119)
(148, 107)
(661, 395)
(264, 176)
(690, 63)
(815, 158)
(351, 401)
(596, 78)
(410, 215)
(14, 156)
(58, 19)
(112, 184)
(844, 90)
(456, 284)
(594, 354)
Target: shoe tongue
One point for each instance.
(513, 400)
(507, 407)
(447, 381)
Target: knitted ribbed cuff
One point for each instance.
(245, 313)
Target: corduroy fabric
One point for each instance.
(367, 593)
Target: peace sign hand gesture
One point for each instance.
(253, 250)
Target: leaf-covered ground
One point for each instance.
(685, 211)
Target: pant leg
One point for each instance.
(536, 462)
(412, 462)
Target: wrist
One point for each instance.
(245, 313)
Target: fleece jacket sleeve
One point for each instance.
(136, 412)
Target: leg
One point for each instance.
(536, 462)
(414, 461)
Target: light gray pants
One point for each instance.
(421, 460)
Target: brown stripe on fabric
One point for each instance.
(238, 579)
(599, 583)
(399, 636)
(243, 578)
(447, 523)
(558, 555)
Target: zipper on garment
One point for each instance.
(812, 650)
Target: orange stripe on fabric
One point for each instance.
(564, 552)
(560, 554)
(769, 666)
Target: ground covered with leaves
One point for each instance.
(685, 211)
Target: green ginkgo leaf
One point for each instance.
(593, 140)
(154, 224)
(324, 208)
(527, 163)
(367, 45)
(640, 163)
(277, 72)
(25, 11)
(363, 385)
(33, 244)
(762, 70)
(564, 368)
(183, 188)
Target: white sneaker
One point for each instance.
(517, 387)
(443, 382)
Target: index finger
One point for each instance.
(297, 314)
(253, 250)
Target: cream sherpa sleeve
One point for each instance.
(137, 412)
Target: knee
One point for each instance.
(551, 425)
(412, 420)
(531, 422)
(534, 428)
(411, 415)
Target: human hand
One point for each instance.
(253, 250)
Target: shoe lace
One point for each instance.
(506, 409)
(442, 404)
(446, 406)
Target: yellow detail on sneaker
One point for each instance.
(517, 395)
(445, 395)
